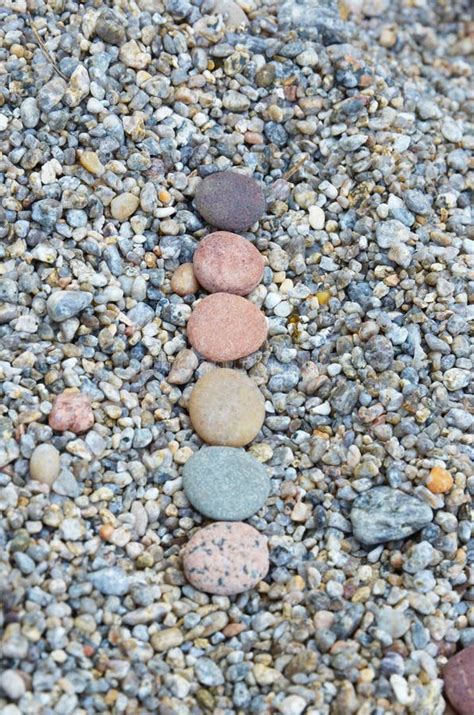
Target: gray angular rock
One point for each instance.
(225, 483)
(51, 94)
(110, 581)
(110, 28)
(47, 213)
(384, 514)
(29, 112)
(320, 14)
(64, 304)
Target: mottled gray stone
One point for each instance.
(110, 581)
(47, 213)
(64, 304)
(384, 514)
(225, 483)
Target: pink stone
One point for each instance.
(226, 327)
(72, 412)
(226, 558)
(228, 263)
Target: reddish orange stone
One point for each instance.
(226, 327)
(72, 412)
(226, 262)
(439, 481)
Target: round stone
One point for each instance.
(458, 675)
(44, 463)
(226, 327)
(226, 558)
(183, 280)
(225, 484)
(226, 408)
(227, 263)
(229, 200)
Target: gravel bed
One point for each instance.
(355, 121)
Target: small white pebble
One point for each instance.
(3, 122)
(317, 218)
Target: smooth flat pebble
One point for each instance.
(45, 463)
(225, 483)
(226, 327)
(458, 675)
(226, 408)
(228, 263)
(71, 412)
(229, 200)
(226, 558)
(183, 280)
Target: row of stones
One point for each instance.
(226, 408)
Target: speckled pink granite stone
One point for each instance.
(228, 263)
(226, 327)
(226, 558)
(71, 412)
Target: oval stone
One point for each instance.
(226, 558)
(45, 463)
(183, 280)
(458, 675)
(226, 408)
(225, 484)
(225, 327)
(226, 262)
(229, 200)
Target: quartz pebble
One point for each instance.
(226, 327)
(225, 484)
(71, 412)
(229, 200)
(458, 675)
(226, 408)
(384, 514)
(45, 463)
(225, 262)
(183, 280)
(123, 206)
(226, 558)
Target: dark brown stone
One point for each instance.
(229, 200)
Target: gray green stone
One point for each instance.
(225, 483)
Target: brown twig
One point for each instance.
(296, 167)
(43, 47)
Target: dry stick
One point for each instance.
(43, 47)
(293, 169)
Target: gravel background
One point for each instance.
(358, 129)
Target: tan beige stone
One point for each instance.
(184, 281)
(123, 206)
(226, 408)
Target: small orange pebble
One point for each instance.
(106, 531)
(323, 297)
(164, 196)
(439, 481)
(88, 650)
(233, 629)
